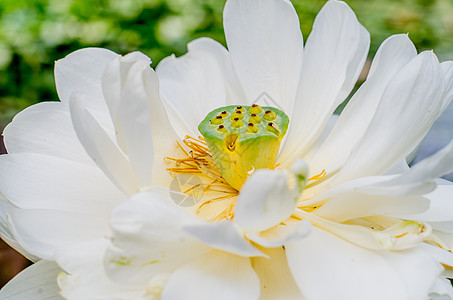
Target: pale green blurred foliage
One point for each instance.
(35, 33)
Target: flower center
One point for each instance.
(242, 139)
(228, 153)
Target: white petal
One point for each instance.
(418, 179)
(444, 227)
(441, 255)
(36, 181)
(398, 168)
(217, 275)
(321, 139)
(113, 81)
(403, 117)
(277, 282)
(135, 123)
(441, 290)
(81, 71)
(264, 201)
(154, 236)
(206, 58)
(408, 181)
(114, 77)
(76, 206)
(224, 236)
(280, 235)
(335, 52)
(438, 136)
(392, 55)
(400, 235)
(37, 282)
(447, 69)
(5, 232)
(352, 204)
(355, 67)
(42, 231)
(142, 127)
(351, 272)
(7, 235)
(148, 239)
(440, 208)
(100, 147)
(210, 47)
(45, 128)
(162, 130)
(436, 165)
(192, 86)
(369, 196)
(441, 181)
(85, 277)
(266, 46)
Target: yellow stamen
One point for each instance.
(319, 176)
(198, 160)
(401, 235)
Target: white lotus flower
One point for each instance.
(87, 191)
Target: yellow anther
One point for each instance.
(269, 115)
(401, 235)
(240, 108)
(252, 128)
(237, 123)
(237, 114)
(217, 120)
(222, 128)
(272, 127)
(319, 176)
(254, 119)
(255, 109)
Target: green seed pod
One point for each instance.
(237, 148)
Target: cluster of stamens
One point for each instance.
(197, 160)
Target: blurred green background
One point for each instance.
(35, 33)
